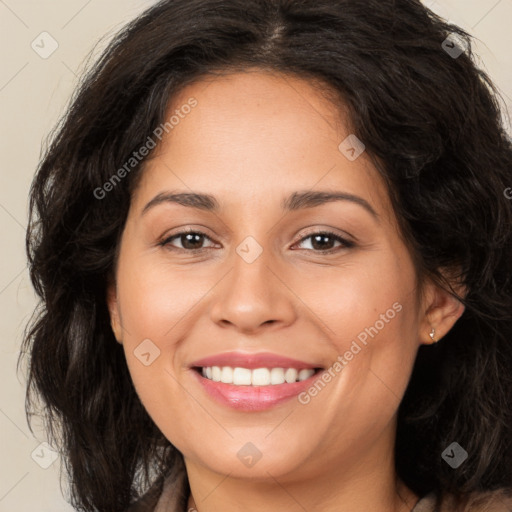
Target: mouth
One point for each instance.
(253, 382)
(240, 376)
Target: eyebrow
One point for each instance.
(295, 201)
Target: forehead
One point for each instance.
(258, 135)
(268, 103)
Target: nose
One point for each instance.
(254, 296)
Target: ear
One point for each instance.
(440, 311)
(113, 309)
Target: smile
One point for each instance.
(256, 377)
(253, 381)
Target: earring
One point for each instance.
(432, 332)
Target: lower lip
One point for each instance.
(253, 398)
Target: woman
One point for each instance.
(274, 252)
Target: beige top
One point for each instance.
(173, 497)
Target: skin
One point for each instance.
(253, 139)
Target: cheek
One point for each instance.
(156, 298)
(164, 401)
(376, 289)
(369, 311)
(159, 306)
(153, 311)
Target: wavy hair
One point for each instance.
(431, 122)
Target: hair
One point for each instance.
(430, 121)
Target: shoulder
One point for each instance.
(499, 500)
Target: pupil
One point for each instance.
(319, 237)
(190, 236)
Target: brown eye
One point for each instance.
(322, 242)
(189, 240)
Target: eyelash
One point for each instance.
(345, 243)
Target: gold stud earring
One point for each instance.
(432, 333)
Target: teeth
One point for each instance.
(305, 374)
(260, 377)
(216, 373)
(290, 375)
(226, 375)
(277, 376)
(241, 377)
(257, 377)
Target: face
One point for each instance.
(304, 307)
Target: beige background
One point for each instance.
(33, 94)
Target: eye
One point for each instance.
(320, 242)
(190, 240)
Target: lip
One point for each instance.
(252, 361)
(253, 398)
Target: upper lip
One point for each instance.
(252, 361)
